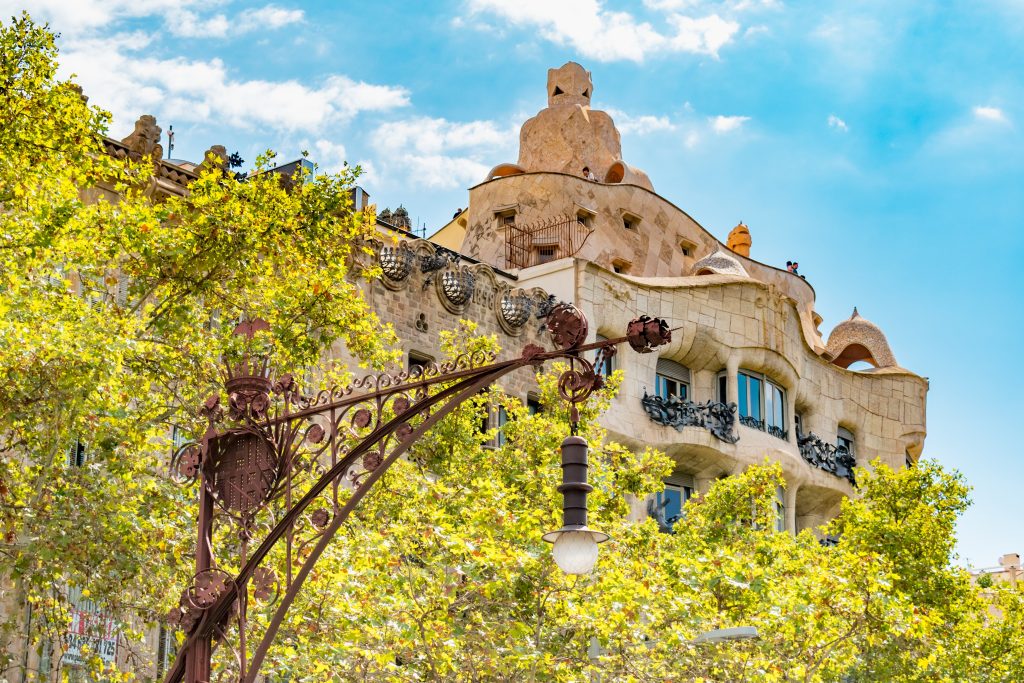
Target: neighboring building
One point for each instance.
(749, 376)
(1008, 571)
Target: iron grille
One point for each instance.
(546, 240)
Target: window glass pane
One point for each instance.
(780, 509)
(769, 406)
(684, 392)
(502, 419)
(780, 408)
(670, 502)
(722, 392)
(755, 397)
(741, 381)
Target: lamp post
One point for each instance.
(273, 443)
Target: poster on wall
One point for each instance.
(91, 632)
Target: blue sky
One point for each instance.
(878, 143)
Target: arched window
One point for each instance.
(672, 379)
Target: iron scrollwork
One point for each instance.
(270, 442)
(825, 456)
(718, 418)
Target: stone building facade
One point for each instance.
(749, 344)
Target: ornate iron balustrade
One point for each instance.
(717, 418)
(825, 456)
(754, 423)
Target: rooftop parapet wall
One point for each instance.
(732, 322)
(662, 240)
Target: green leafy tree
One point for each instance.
(115, 318)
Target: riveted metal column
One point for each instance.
(574, 488)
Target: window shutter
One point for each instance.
(673, 370)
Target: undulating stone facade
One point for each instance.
(749, 349)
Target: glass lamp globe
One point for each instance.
(575, 552)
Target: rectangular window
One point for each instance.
(762, 403)
(585, 218)
(76, 454)
(668, 503)
(546, 254)
(533, 405)
(780, 509)
(844, 440)
(418, 361)
(723, 388)
(606, 365)
(671, 380)
(502, 421)
(667, 387)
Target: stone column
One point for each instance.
(790, 500)
(732, 368)
(791, 416)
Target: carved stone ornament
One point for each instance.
(397, 262)
(718, 418)
(145, 139)
(457, 286)
(516, 307)
(215, 157)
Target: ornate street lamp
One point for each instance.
(575, 545)
(273, 443)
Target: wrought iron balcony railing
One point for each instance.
(754, 423)
(825, 456)
(717, 418)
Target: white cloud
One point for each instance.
(111, 72)
(837, 123)
(183, 18)
(437, 153)
(188, 24)
(639, 125)
(993, 114)
(605, 35)
(328, 155)
(727, 124)
(270, 16)
(692, 139)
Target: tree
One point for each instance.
(115, 314)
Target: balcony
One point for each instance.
(834, 459)
(717, 418)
